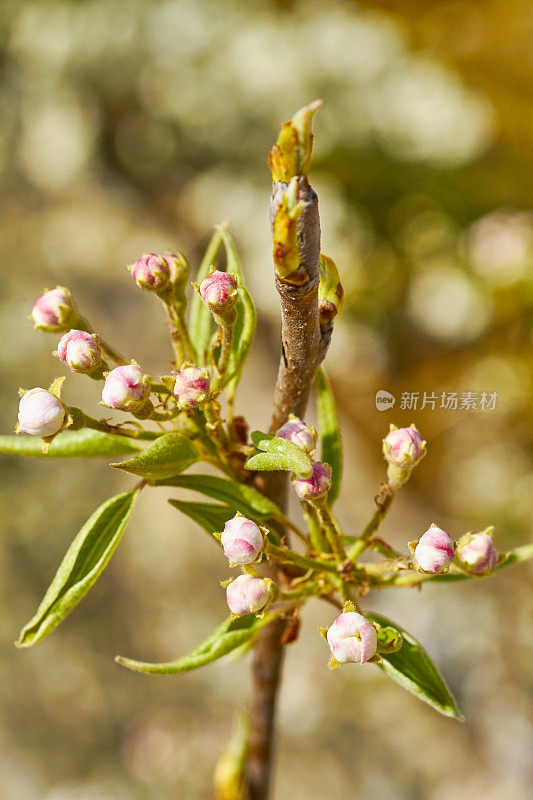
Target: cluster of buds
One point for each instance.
(403, 448)
(304, 436)
(157, 273)
(474, 554)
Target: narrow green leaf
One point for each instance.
(86, 443)
(413, 669)
(244, 498)
(166, 456)
(200, 318)
(84, 561)
(279, 454)
(227, 637)
(330, 436)
(210, 516)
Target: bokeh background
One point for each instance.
(128, 126)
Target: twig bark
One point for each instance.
(302, 350)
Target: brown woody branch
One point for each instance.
(303, 347)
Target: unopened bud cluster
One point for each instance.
(247, 594)
(126, 389)
(54, 311)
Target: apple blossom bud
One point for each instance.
(151, 272)
(352, 638)
(434, 551)
(179, 268)
(80, 350)
(298, 433)
(218, 291)
(41, 413)
(247, 594)
(126, 388)
(242, 540)
(476, 553)
(403, 446)
(54, 311)
(315, 487)
(191, 386)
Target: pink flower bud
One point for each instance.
(218, 290)
(126, 388)
(54, 310)
(403, 446)
(477, 554)
(434, 552)
(298, 433)
(315, 487)
(41, 413)
(352, 638)
(151, 271)
(191, 386)
(242, 540)
(80, 350)
(247, 594)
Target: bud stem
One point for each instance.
(383, 502)
(181, 341)
(287, 556)
(226, 325)
(332, 529)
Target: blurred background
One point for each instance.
(129, 126)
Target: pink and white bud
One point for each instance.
(126, 388)
(476, 553)
(80, 350)
(54, 311)
(218, 291)
(41, 413)
(403, 447)
(434, 551)
(298, 433)
(191, 387)
(151, 272)
(247, 594)
(352, 638)
(315, 487)
(242, 540)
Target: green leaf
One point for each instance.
(330, 436)
(210, 516)
(413, 669)
(279, 454)
(84, 561)
(166, 456)
(86, 443)
(200, 318)
(244, 498)
(227, 637)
